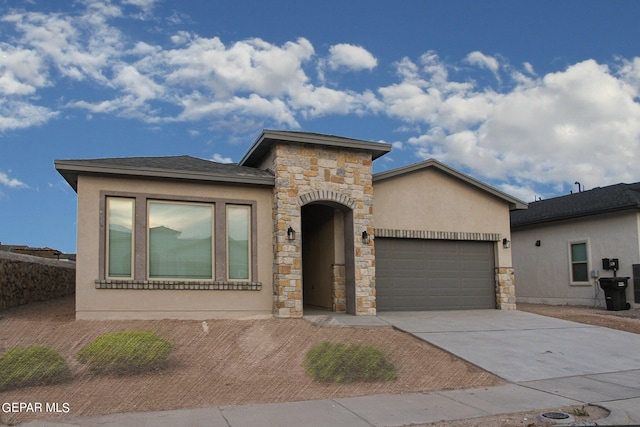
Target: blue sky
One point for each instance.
(528, 96)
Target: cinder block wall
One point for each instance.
(25, 279)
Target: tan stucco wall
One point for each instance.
(544, 271)
(431, 200)
(92, 303)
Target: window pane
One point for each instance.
(580, 272)
(180, 240)
(579, 252)
(119, 237)
(238, 247)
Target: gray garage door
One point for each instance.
(414, 274)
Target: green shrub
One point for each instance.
(340, 363)
(125, 352)
(33, 365)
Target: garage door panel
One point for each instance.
(414, 274)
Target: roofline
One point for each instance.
(513, 202)
(70, 169)
(268, 137)
(576, 215)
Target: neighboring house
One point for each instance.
(294, 224)
(39, 252)
(559, 244)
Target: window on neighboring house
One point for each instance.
(120, 223)
(180, 240)
(238, 242)
(579, 263)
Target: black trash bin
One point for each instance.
(615, 292)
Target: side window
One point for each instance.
(120, 223)
(238, 242)
(579, 262)
(180, 240)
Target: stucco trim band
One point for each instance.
(437, 235)
(178, 285)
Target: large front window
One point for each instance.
(180, 242)
(177, 243)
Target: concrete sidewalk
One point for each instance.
(377, 410)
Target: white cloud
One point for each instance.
(11, 182)
(247, 66)
(20, 115)
(22, 71)
(582, 123)
(79, 47)
(398, 145)
(133, 82)
(350, 57)
(145, 5)
(481, 60)
(219, 158)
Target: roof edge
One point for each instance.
(514, 203)
(577, 215)
(260, 146)
(70, 169)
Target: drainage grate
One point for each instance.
(556, 417)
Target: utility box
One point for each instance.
(615, 292)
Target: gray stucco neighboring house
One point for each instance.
(558, 245)
(300, 222)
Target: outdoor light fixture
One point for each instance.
(506, 243)
(538, 243)
(365, 237)
(291, 233)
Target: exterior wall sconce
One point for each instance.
(365, 237)
(538, 243)
(506, 243)
(291, 233)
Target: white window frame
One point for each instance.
(571, 262)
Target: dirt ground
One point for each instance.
(239, 362)
(247, 361)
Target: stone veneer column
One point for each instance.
(305, 172)
(505, 288)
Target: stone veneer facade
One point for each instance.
(305, 174)
(505, 288)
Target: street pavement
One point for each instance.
(547, 362)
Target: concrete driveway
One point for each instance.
(520, 346)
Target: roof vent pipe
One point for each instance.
(579, 186)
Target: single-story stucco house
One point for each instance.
(301, 221)
(559, 245)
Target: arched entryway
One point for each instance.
(328, 270)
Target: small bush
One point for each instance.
(33, 365)
(125, 352)
(341, 363)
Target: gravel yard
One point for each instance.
(237, 361)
